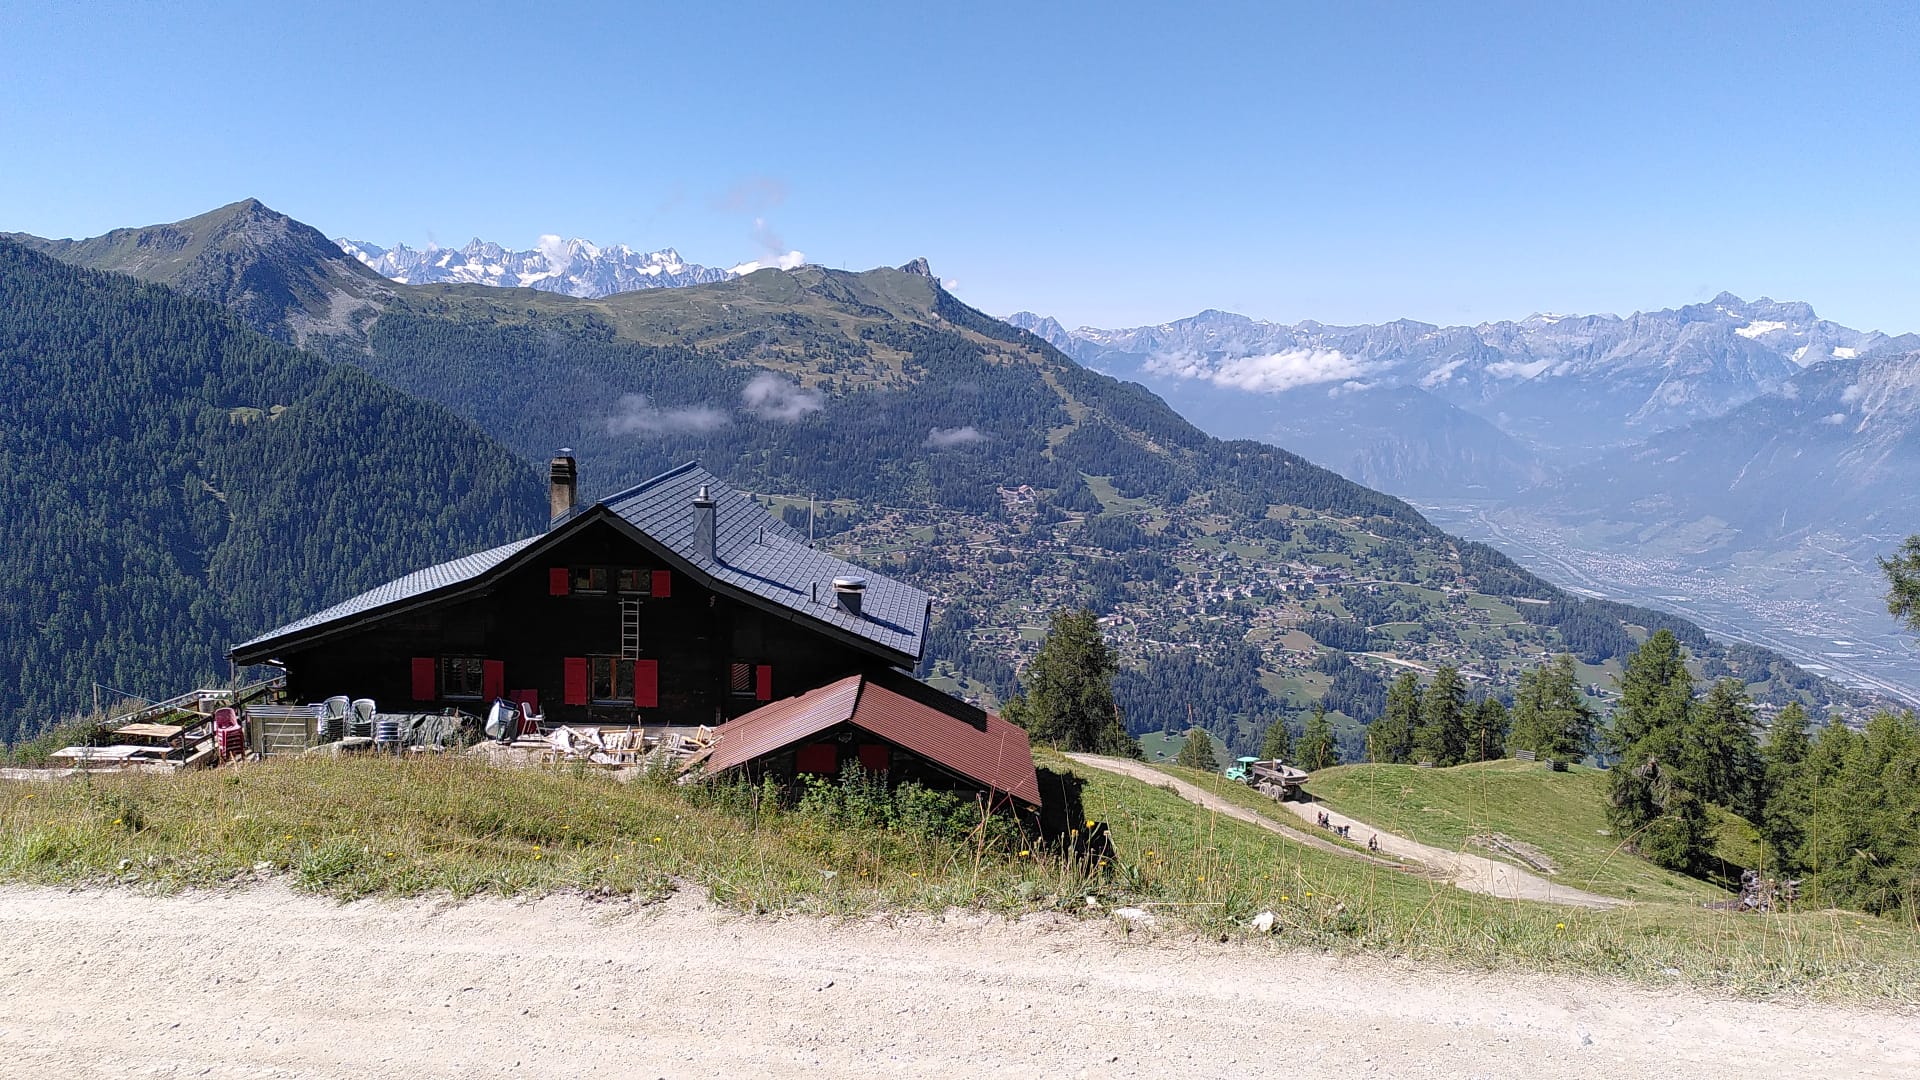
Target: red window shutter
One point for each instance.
(493, 679)
(873, 757)
(662, 583)
(557, 581)
(423, 678)
(646, 684)
(576, 681)
(763, 682)
(817, 757)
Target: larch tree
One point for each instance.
(1788, 799)
(1442, 735)
(1317, 748)
(1550, 715)
(1488, 730)
(1390, 739)
(1197, 752)
(1652, 793)
(1277, 743)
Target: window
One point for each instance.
(636, 582)
(462, 676)
(589, 579)
(740, 680)
(610, 680)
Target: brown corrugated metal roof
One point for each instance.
(971, 742)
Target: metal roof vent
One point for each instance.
(703, 524)
(849, 591)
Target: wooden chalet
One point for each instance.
(675, 603)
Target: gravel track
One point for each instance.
(1474, 873)
(262, 982)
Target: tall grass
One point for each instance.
(354, 827)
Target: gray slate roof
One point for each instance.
(754, 553)
(757, 553)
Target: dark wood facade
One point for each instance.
(598, 627)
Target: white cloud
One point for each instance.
(775, 397)
(942, 437)
(1271, 373)
(634, 415)
(782, 262)
(1851, 394)
(1835, 418)
(1351, 386)
(1513, 369)
(557, 254)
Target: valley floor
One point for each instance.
(261, 981)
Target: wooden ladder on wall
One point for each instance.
(629, 629)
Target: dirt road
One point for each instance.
(265, 983)
(1474, 873)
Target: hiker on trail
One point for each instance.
(1373, 842)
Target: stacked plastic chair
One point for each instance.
(229, 734)
(332, 726)
(360, 724)
(386, 733)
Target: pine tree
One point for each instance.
(1390, 739)
(1277, 743)
(1069, 690)
(1317, 748)
(1197, 752)
(1550, 715)
(1442, 735)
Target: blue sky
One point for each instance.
(1109, 164)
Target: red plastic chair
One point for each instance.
(229, 734)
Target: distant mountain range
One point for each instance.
(574, 267)
(878, 389)
(1566, 386)
(1742, 460)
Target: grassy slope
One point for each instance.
(1563, 814)
(383, 826)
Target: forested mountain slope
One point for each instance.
(172, 481)
(1238, 579)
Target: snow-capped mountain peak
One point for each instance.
(576, 267)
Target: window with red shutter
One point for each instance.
(663, 583)
(423, 671)
(493, 679)
(576, 680)
(820, 757)
(646, 684)
(557, 581)
(763, 682)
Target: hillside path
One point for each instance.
(261, 981)
(1472, 872)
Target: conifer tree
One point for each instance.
(1197, 752)
(1317, 748)
(1442, 735)
(1069, 690)
(1788, 799)
(1723, 751)
(1390, 739)
(1487, 735)
(1652, 793)
(1277, 743)
(1550, 716)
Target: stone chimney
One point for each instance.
(703, 524)
(563, 487)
